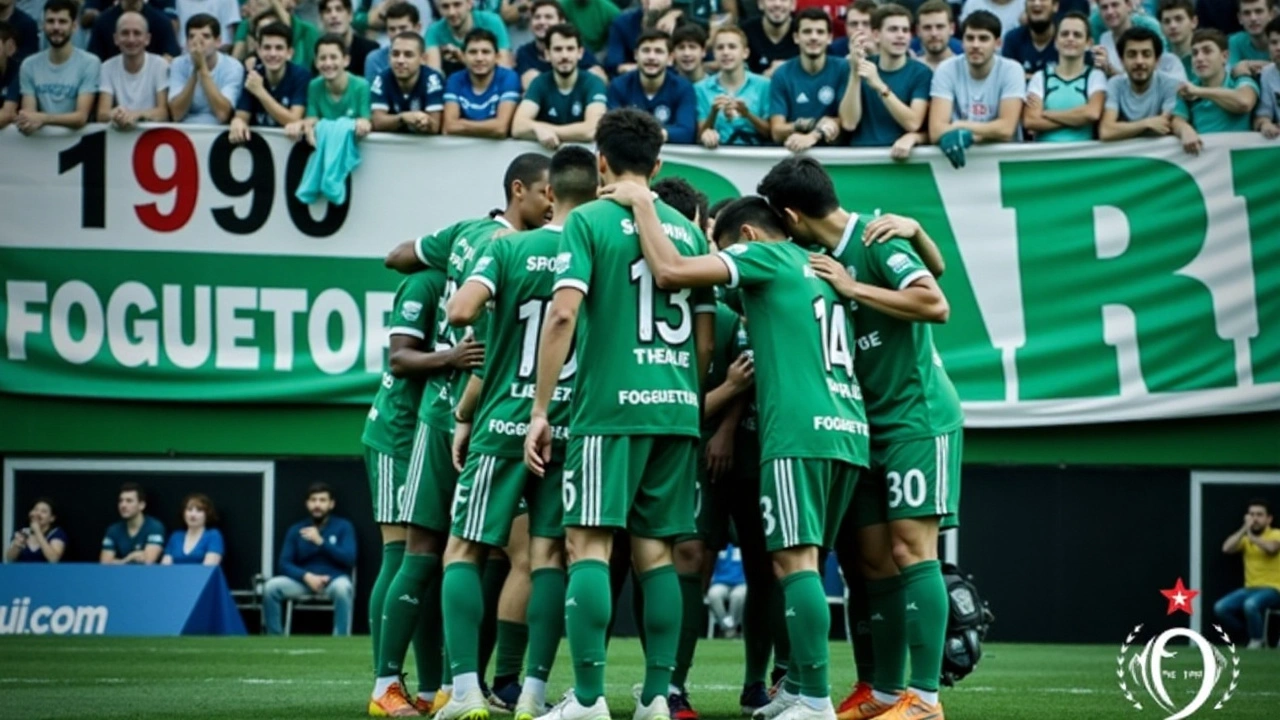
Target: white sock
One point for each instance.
(447, 688)
(535, 687)
(930, 697)
(816, 703)
(381, 685)
(429, 696)
(464, 683)
(884, 697)
(782, 693)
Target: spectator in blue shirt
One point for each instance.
(199, 544)
(887, 98)
(1032, 45)
(532, 59)
(481, 100)
(656, 89)
(317, 557)
(41, 541)
(727, 596)
(136, 539)
(275, 90)
(402, 17)
(733, 104)
(626, 29)
(408, 97)
(806, 91)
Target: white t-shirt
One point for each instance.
(227, 12)
(979, 100)
(135, 91)
(1010, 13)
(1168, 64)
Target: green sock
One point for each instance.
(495, 574)
(513, 641)
(662, 628)
(757, 639)
(587, 609)
(637, 609)
(428, 641)
(859, 610)
(546, 620)
(693, 622)
(782, 637)
(392, 556)
(458, 592)
(401, 609)
(809, 624)
(888, 634)
(925, 595)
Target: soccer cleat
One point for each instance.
(570, 709)
(657, 709)
(423, 705)
(753, 697)
(681, 709)
(911, 707)
(801, 711)
(392, 703)
(504, 699)
(471, 706)
(779, 678)
(862, 704)
(528, 707)
(442, 698)
(776, 706)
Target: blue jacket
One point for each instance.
(337, 556)
(624, 31)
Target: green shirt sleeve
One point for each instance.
(749, 263)
(314, 88)
(896, 263)
(358, 89)
(1181, 110)
(488, 269)
(573, 262)
(537, 92)
(433, 250)
(411, 312)
(597, 92)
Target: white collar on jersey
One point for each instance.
(848, 234)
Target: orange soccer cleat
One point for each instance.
(861, 704)
(911, 707)
(392, 703)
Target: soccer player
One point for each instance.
(59, 86)
(515, 273)
(634, 419)
(1217, 101)
(431, 472)
(733, 104)
(1065, 100)
(886, 100)
(408, 96)
(915, 419)
(1248, 48)
(563, 104)
(814, 427)
(275, 89)
(480, 101)
(805, 92)
(657, 89)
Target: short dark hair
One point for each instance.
(1270, 3)
(317, 488)
(1188, 6)
(203, 502)
(544, 3)
(277, 29)
(528, 168)
(1212, 35)
(53, 509)
(404, 10)
(679, 194)
(749, 210)
(197, 21)
(410, 35)
(799, 184)
(68, 6)
(812, 13)
(479, 35)
(982, 20)
(689, 33)
(866, 7)
(652, 34)
(332, 39)
(345, 3)
(565, 30)
(936, 6)
(133, 487)
(1138, 33)
(1077, 15)
(630, 140)
(1272, 28)
(717, 206)
(886, 11)
(574, 177)
(270, 13)
(1260, 502)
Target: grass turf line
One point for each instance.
(316, 677)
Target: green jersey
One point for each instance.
(637, 365)
(908, 393)
(564, 108)
(353, 103)
(722, 356)
(467, 241)
(808, 397)
(394, 415)
(519, 271)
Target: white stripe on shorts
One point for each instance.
(414, 472)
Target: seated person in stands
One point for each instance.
(204, 83)
(532, 58)
(657, 89)
(137, 539)
(1215, 102)
(199, 544)
(689, 51)
(133, 85)
(806, 91)
(481, 100)
(41, 541)
(1140, 100)
(336, 94)
(1065, 100)
(563, 104)
(317, 557)
(275, 88)
(408, 96)
(733, 104)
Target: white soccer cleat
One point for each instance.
(471, 706)
(778, 705)
(656, 709)
(801, 711)
(529, 707)
(570, 709)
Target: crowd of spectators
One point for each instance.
(796, 73)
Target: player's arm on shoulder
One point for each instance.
(468, 302)
(670, 269)
(404, 258)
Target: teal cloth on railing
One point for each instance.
(335, 157)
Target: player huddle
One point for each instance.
(581, 368)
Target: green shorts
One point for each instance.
(651, 488)
(432, 477)
(912, 479)
(493, 490)
(387, 484)
(803, 500)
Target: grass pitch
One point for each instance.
(321, 677)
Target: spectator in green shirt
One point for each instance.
(335, 94)
(1247, 49)
(1216, 102)
(305, 34)
(563, 104)
(457, 19)
(1178, 20)
(592, 18)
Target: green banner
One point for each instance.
(1088, 282)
